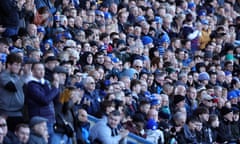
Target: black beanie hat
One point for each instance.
(178, 98)
(225, 110)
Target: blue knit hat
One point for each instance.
(99, 13)
(158, 19)
(107, 15)
(140, 19)
(164, 38)
(202, 12)
(151, 124)
(155, 102)
(231, 95)
(41, 29)
(191, 5)
(203, 76)
(147, 40)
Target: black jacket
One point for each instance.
(224, 130)
(9, 13)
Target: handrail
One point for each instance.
(132, 138)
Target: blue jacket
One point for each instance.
(40, 96)
(95, 102)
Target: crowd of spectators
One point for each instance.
(165, 70)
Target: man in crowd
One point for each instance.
(11, 88)
(39, 132)
(22, 131)
(109, 133)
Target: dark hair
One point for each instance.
(33, 65)
(193, 119)
(106, 103)
(134, 82)
(115, 113)
(155, 61)
(201, 110)
(233, 82)
(4, 41)
(21, 125)
(212, 118)
(13, 57)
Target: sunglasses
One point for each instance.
(138, 66)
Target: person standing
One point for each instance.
(11, 88)
(40, 94)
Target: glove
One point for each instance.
(10, 87)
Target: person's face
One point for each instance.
(192, 94)
(100, 59)
(90, 59)
(213, 78)
(91, 17)
(90, 85)
(177, 44)
(4, 48)
(40, 128)
(71, 22)
(145, 108)
(62, 78)
(221, 77)
(101, 73)
(108, 62)
(32, 31)
(165, 101)
(36, 55)
(128, 100)
(3, 126)
(38, 71)
(14, 68)
(73, 13)
(236, 117)
(144, 86)
(138, 88)
(192, 126)
(208, 103)
(198, 126)
(18, 43)
(215, 123)
(205, 117)
(150, 80)
(1, 135)
(51, 64)
(229, 116)
(160, 80)
(82, 116)
(86, 47)
(113, 121)
(110, 109)
(23, 134)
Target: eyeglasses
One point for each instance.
(92, 83)
(3, 125)
(198, 56)
(138, 66)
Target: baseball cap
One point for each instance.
(37, 120)
(206, 97)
